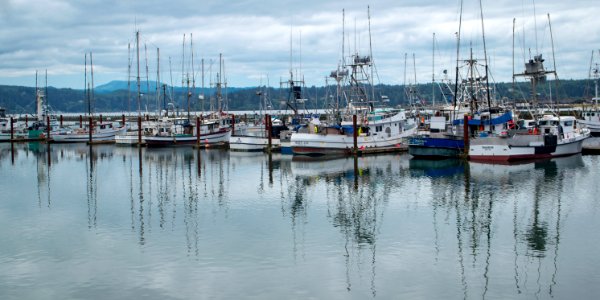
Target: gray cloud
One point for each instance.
(254, 37)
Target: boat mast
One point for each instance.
(553, 62)
(46, 105)
(202, 96)
(432, 70)
(371, 55)
(193, 71)
(487, 83)
(85, 87)
(158, 82)
(147, 77)
(406, 93)
(128, 77)
(92, 84)
(137, 48)
(457, 57)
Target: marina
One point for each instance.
(284, 150)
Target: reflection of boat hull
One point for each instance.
(436, 147)
(220, 136)
(251, 143)
(529, 147)
(436, 168)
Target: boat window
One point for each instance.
(568, 123)
(543, 123)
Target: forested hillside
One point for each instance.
(18, 99)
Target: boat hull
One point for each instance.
(436, 147)
(71, 137)
(497, 149)
(251, 143)
(188, 140)
(341, 144)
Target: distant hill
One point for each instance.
(114, 97)
(121, 85)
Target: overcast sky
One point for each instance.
(254, 38)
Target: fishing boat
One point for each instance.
(552, 136)
(259, 141)
(181, 132)
(473, 103)
(378, 128)
(100, 132)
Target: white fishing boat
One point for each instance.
(554, 136)
(379, 130)
(181, 132)
(101, 132)
(257, 141)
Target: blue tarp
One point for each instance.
(495, 121)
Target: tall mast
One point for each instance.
(457, 53)
(193, 72)
(343, 37)
(128, 77)
(405, 89)
(202, 85)
(46, 93)
(92, 84)
(414, 90)
(137, 51)
(85, 88)
(219, 79)
(433, 71)
(183, 66)
(147, 77)
(371, 55)
(513, 56)
(158, 82)
(487, 84)
(553, 61)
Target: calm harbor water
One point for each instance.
(121, 223)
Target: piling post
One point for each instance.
(123, 119)
(61, 120)
(12, 130)
(80, 121)
(268, 128)
(47, 128)
(354, 134)
(90, 129)
(197, 131)
(232, 124)
(100, 118)
(466, 134)
(139, 123)
(26, 121)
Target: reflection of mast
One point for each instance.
(91, 190)
(142, 239)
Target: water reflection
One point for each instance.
(357, 191)
(447, 228)
(537, 214)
